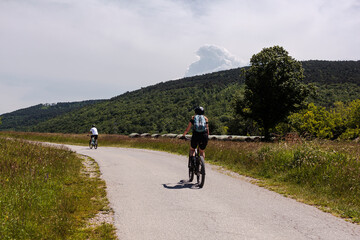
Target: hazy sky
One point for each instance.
(72, 50)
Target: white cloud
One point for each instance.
(212, 59)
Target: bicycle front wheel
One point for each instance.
(90, 145)
(201, 173)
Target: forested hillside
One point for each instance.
(146, 110)
(332, 72)
(166, 107)
(22, 119)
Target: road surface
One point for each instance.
(152, 200)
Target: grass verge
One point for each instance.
(324, 174)
(46, 193)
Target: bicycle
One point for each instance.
(93, 143)
(196, 166)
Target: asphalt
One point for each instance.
(152, 199)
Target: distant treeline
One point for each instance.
(23, 119)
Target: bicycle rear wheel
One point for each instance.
(96, 144)
(201, 173)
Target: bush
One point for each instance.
(342, 121)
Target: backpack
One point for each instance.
(199, 123)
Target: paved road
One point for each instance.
(151, 200)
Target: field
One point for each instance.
(46, 193)
(325, 174)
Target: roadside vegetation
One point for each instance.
(339, 122)
(46, 193)
(325, 174)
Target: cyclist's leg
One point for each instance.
(193, 145)
(202, 145)
(191, 156)
(202, 153)
(191, 151)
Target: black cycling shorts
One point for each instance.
(200, 139)
(95, 136)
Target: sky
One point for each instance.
(65, 50)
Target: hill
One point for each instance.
(161, 108)
(167, 107)
(22, 119)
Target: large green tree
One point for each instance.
(273, 88)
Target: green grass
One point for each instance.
(45, 194)
(325, 174)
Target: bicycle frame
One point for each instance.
(197, 167)
(93, 143)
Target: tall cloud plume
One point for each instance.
(212, 59)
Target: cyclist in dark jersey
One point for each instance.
(198, 138)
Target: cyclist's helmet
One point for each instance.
(93, 125)
(199, 110)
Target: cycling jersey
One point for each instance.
(94, 131)
(199, 138)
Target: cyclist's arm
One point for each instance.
(207, 125)
(187, 129)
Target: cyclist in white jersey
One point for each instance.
(94, 132)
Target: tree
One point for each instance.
(274, 88)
